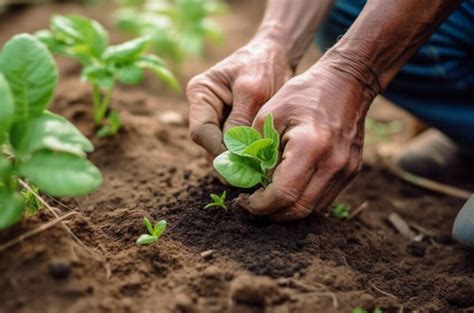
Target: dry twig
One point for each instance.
(359, 209)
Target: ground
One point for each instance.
(153, 169)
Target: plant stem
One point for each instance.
(101, 103)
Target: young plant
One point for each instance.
(36, 145)
(361, 310)
(250, 155)
(154, 233)
(217, 201)
(32, 203)
(178, 28)
(103, 66)
(340, 211)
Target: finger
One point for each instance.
(291, 177)
(207, 99)
(249, 96)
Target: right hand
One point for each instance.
(231, 93)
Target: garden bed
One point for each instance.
(153, 169)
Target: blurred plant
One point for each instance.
(36, 145)
(177, 28)
(378, 131)
(32, 203)
(87, 41)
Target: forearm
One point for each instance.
(293, 23)
(385, 35)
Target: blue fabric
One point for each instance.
(437, 84)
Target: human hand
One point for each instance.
(231, 92)
(320, 117)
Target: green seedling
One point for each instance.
(178, 28)
(250, 155)
(378, 131)
(340, 211)
(32, 203)
(154, 233)
(38, 146)
(217, 201)
(87, 41)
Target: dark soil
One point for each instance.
(152, 169)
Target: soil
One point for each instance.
(152, 169)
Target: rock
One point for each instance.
(255, 291)
(59, 268)
(207, 254)
(172, 118)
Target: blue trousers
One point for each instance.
(437, 84)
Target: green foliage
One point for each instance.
(87, 41)
(154, 233)
(250, 155)
(32, 203)
(340, 211)
(177, 28)
(377, 131)
(217, 201)
(39, 146)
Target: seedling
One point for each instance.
(178, 28)
(154, 233)
(87, 41)
(340, 211)
(36, 145)
(32, 203)
(217, 201)
(250, 155)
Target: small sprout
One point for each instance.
(250, 155)
(361, 310)
(154, 233)
(32, 203)
(218, 201)
(340, 211)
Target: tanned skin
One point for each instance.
(320, 114)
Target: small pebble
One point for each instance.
(59, 268)
(207, 254)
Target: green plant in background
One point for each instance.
(154, 233)
(37, 145)
(217, 201)
(178, 28)
(32, 203)
(361, 310)
(103, 66)
(250, 156)
(340, 211)
(378, 131)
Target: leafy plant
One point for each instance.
(103, 66)
(32, 203)
(154, 233)
(178, 28)
(340, 211)
(217, 201)
(37, 145)
(250, 155)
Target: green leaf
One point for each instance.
(98, 75)
(11, 208)
(129, 74)
(269, 156)
(237, 139)
(160, 228)
(270, 132)
(127, 51)
(49, 131)
(158, 67)
(88, 35)
(146, 240)
(6, 174)
(239, 171)
(61, 174)
(212, 204)
(112, 127)
(215, 198)
(148, 225)
(31, 73)
(255, 148)
(7, 108)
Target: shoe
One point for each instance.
(433, 155)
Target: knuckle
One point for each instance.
(286, 195)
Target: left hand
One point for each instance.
(320, 117)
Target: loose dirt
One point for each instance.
(152, 169)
